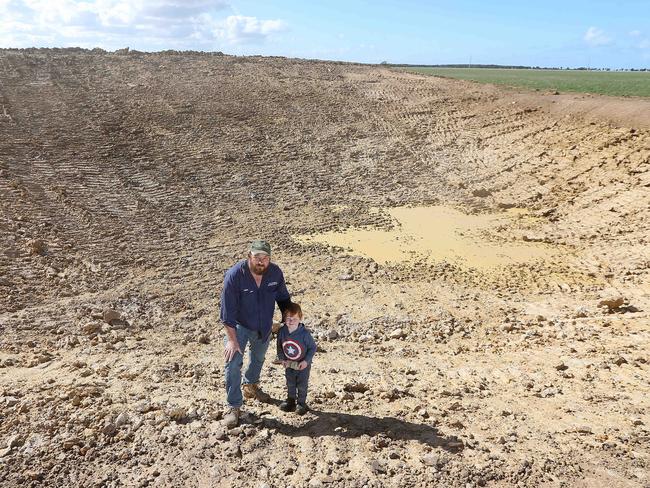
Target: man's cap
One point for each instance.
(260, 246)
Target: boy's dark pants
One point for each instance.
(297, 380)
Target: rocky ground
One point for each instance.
(129, 184)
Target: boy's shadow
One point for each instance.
(350, 425)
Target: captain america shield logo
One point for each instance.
(292, 350)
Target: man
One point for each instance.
(251, 288)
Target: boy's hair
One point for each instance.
(293, 309)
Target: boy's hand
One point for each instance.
(285, 363)
(302, 365)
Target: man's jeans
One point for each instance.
(256, 353)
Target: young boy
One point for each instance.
(296, 348)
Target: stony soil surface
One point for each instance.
(130, 183)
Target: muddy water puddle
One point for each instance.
(436, 234)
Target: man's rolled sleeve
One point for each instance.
(229, 302)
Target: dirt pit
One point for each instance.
(484, 347)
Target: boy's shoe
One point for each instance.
(252, 390)
(302, 409)
(231, 418)
(289, 405)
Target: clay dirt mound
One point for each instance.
(130, 183)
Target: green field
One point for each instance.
(618, 83)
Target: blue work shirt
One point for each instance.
(246, 304)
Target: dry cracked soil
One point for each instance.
(129, 183)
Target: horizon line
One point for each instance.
(128, 51)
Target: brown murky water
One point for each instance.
(436, 234)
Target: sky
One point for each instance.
(595, 33)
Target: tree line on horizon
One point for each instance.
(502, 66)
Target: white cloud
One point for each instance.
(596, 37)
(56, 12)
(238, 29)
(115, 13)
(640, 41)
(140, 24)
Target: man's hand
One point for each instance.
(302, 365)
(275, 327)
(232, 348)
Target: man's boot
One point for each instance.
(252, 390)
(231, 418)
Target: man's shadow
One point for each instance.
(350, 426)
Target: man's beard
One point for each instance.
(260, 269)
